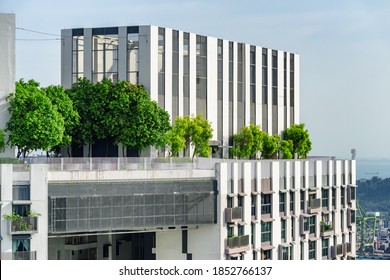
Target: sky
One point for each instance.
(344, 49)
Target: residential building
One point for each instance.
(159, 208)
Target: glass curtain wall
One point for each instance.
(231, 93)
(201, 75)
(274, 92)
(77, 55)
(161, 67)
(252, 81)
(132, 58)
(175, 75)
(292, 89)
(186, 74)
(240, 87)
(104, 54)
(265, 90)
(220, 90)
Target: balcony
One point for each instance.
(326, 228)
(233, 214)
(24, 225)
(237, 244)
(337, 251)
(314, 206)
(22, 256)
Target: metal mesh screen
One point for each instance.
(134, 206)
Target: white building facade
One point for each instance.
(232, 84)
(211, 209)
(7, 70)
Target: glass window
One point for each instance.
(21, 192)
(325, 245)
(325, 195)
(292, 201)
(266, 232)
(20, 245)
(302, 198)
(266, 203)
(285, 253)
(282, 202)
(312, 250)
(312, 224)
(283, 228)
(266, 255)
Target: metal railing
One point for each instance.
(233, 214)
(315, 203)
(29, 255)
(238, 241)
(29, 224)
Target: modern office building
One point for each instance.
(232, 84)
(182, 208)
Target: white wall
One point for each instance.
(7, 70)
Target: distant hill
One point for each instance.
(374, 194)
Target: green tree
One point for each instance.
(286, 147)
(270, 145)
(82, 94)
(134, 119)
(34, 122)
(191, 131)
(64, 106)
(243, 143)
(2, 140)
(119, 111)
(249, 142)
(300, 138)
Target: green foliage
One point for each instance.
(249, 142)
(243, 143)
(300, 138)
(190, 131)
(86, 102)
(270, 145)
(13, 217)
(286, 147)
(201, 136)
(2, 140)
(136, 120)
(64, 106)
(121, 111)
(35, 122)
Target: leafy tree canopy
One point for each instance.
(2, 140)
(270, 145)
(300, 139)
(286, 147)
(191, 131)
(64, 105)
(35, 123)
(121, 111)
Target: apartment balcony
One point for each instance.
(22, 256)
(237, 244)
(26, 225)
(337, 251)
(233, 214)
(347, 248)
(314, 206)
(326, 229)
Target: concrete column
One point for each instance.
(39, 199)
